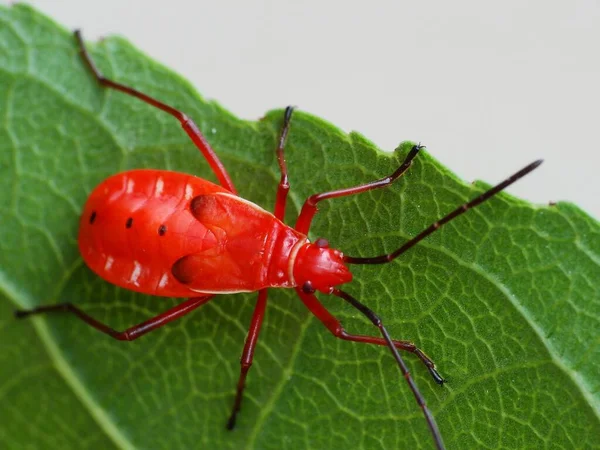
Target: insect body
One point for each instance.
(171, 234)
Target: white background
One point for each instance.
(487, 86)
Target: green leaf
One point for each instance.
(505, 299)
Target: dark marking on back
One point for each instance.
(129, 222)
(92, 217)
(162, 230)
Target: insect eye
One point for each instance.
(322, 243)
(308, 288)
(162, 230)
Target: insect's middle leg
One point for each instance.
(188, 125)
(284, 185)
(248, 354)
(261, 304)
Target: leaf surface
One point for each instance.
(505, 299)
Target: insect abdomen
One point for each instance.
(136, 225)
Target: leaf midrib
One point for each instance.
(65, 370)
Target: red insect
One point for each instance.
(175, 235)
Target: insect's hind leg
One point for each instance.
(284, 186)
(129, 334)
(248, 354)
(188, 125)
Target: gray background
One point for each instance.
(488, 87)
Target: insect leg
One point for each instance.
(309, 209)
(382, 259)
(248, 354)
(188, 125)
(435, 432)
(333, 324)
(131, 333)
(284, 186)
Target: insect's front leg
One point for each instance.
(333, 324)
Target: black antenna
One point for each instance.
(382, 259)
(435, 432)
